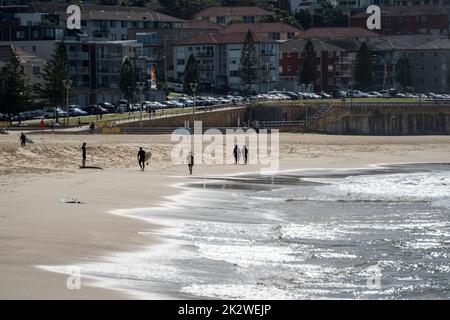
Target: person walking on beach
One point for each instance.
(235, 153)
(245, 155)
(190, 161)
(42, 125)
(23, 139)
(141, 159)
(83, 149)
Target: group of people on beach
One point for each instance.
(143, 157)
(240, 155)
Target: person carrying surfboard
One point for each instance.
(23, 139)
(141, 158)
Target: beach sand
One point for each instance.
(36, 229)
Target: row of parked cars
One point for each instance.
(392, 93)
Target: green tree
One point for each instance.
(308, 64)
(248, 67)
(304, 18)
(127, 81)
(185, 9)
(403, 73)
(54, 73)
(191, 74)
(363, 68)
(284, 5)
(15, 94)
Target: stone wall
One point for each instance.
(215, 119)
(385, 120)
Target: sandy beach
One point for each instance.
(36, 229)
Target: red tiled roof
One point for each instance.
(201, 24)
(398, 11)
(261, 27)
(232, 11)
(330, 33)
(223, 38)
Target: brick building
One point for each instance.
(424, 19)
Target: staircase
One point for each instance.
(298, 124)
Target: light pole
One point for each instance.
(67, 84)
(194, 87)
(141, 86)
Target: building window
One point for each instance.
(234, 73)
(180, 62)
(112, 24)
(36, 70)
(20, 34)
(248, 19)
(124, 24)
(423, 19)
(220, 20)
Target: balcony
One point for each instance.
(78, 55)
(206, 67)
(268, 52)
(205, 54)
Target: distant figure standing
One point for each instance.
(245, 155)
(92, 127)
(42, 125)
(236, 154)
(23, 139)
(141, 159)
(79, 122)
(239, 154)
(52, 126)
(190, 162)
(83, 149)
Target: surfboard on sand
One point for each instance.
(28, 140)
(148, 156)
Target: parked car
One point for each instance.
(76, 111)
(54, 113)
(108, 106)
(186, 102)
(94, 109)
(325, 95)
(375, 94)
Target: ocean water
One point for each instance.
(300, 235)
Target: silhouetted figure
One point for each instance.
(42, 125)
(236, 154)
(141, 159)
(79, 122)
(190, 161)
(245, 155)
(92, 127)
(83, 149)
(23, 139)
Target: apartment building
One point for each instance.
(95, 66)
(423, 19)
(274, 30)
(31, 64)
(226, 15)
(334, 60)
(158, 43)
(219, 55)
